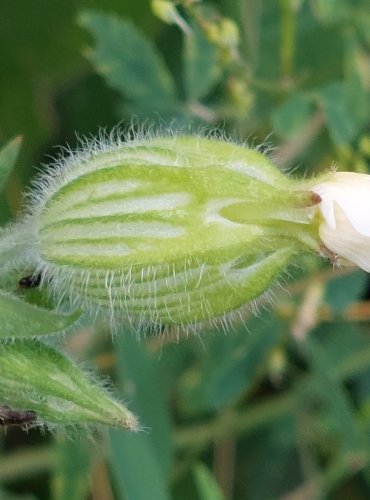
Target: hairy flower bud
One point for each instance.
(345, 208)
(171, 231)
(167, 12)
(37, 377)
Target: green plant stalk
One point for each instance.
(288, 38)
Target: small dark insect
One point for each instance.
(30, 281)
(16, 417)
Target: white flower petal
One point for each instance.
(352, 193)
(345, 208)
(346, 241)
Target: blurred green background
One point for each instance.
(279, 408)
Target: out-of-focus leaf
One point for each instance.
(21, 319)
(142, 464)
(337, 113)
(136, 467)
(346, 348)
(201, 71)
(335, 417)
(40, 54)
(273, 467)
(318, 48)
(232, 365)
(206, 484)
(341, 291)
(362, 20)
(346, 107)
(291, 117)
(332, 11)
(130, 63)
(340, 412)
(37, 377)
(72, 468)
(141, 377)
(8, 156)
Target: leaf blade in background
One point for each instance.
(201, 71)
(72, 468)
(232, 365)
(290, 118)
(136, 467)
(139, 372)
(130, 63)
(337, 419)
(8, 157)
(336, 401)
(21, 319)
(341, 291)
(274, 468)
(346, 106)
(332, 11)
(206, 484)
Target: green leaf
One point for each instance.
(292, 116)
(341, 291)
(232, 365)
(362, 20)
(201, 71)
(346, 107)
(136, 467)
(206, 484)
(8, 156)
(142, 464)
(21, 319)
(273, 469)
(72, 469)
(338, 117)
(37, 377)
(130, 63)
(332, 11)
(337, 404)
(346, 346)
(142, 381)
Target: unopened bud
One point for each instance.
(173, 231)
(225, 34)
(167, 12)
(229, 33)
(39, 378)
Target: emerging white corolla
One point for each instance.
(345, 208)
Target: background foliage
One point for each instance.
(280, 407)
